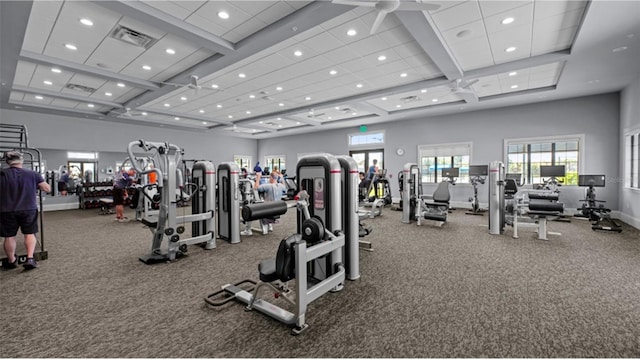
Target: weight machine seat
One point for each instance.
(510, 188)
(282, 267)
(546, 207)
(549, 196)
(441, 194)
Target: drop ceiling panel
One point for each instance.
(544, 9)
(170, 7)
(545, 42)
(64, 103)
(457, 15)
(41, 21)
(472, 31)
(24, 73)
(518, 37)
(490, 8)
(114, 55)
(522, 16)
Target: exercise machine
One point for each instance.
(15, 138)
(415, 205)
(228, 199)
(510, 205)
(314, 256)
(169, 227)
(551, 181)
(594, 209)
(477, 174)
(351, 214)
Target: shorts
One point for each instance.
(62, 186)
(118, 196)
(27, 221)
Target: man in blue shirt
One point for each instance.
(271, 192)
(19, 208)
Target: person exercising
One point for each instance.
(19, 208)
(123, 180)
(272, 191)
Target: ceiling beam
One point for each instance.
(86, 70)
(297, 22)
(421, 27)
(182, 115)
(169, 24)
(515, 65)
(365, 106)
(66, 96)
(14, 17)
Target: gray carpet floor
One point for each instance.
(425, 291)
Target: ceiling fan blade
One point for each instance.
(194, 81)
(354, 3)
(378, 22)
(415, 6)
(469, 83)
(468, 96)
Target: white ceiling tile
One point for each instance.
(205, 23)
(276, 10)
(544, 9)
(64, 103)
(211, 9)
(491, 8)
(24, 73)
(457, 15)
(523, 16)
(253, 7)
(169, 7)
(114, 55)
(519, 37)
(16, 96)
(248, 28)
(191, 5)
(367, 46)
(466, 32)
(41, 21)
(560, 21)
(545, 42)
(323, 42)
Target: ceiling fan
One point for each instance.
(463, 89)
(194, 84)
(127, 112)
(385, 7)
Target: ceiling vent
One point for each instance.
(410, 99)
(132, 37)
(80, 88)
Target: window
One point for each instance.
(243, 162)
(279, 161)
(361, 139)
(632, 159)
(525, 156)
(435, 158)
(82, 155)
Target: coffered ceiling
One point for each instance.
(262, 69)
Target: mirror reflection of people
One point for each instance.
(123, 180)
(19, 209)
(63, 187)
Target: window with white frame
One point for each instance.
(526, 155)
(243, 162)
(435, 158)
(363, 139)
(632, 159)
(279, 161)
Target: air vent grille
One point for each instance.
(132, 37)
(410, 99)
(80, 88)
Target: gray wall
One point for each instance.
(597, 117)
(629, 120)
(58, 132)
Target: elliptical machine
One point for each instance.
(597, 214)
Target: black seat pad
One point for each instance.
(267, 269)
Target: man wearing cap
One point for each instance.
(19, 208)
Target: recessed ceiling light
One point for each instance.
(297, 123)
(279, 118)
(170, 51)
(254, 130)
(359, 85)
(219, 106)
(398, 106)
(38, 97)
(384, 99)
(214, 86)
(337, 107)
(143, 113)
(183, 98)
(514, 86)
(434, 100)
(423, 90)
(298, 53)
(353, 113)
(279, 126)
(91, 105)
(230, 116)
(333, 72)
(248, 112)
(204, 122)
(223, 15)
(146, 67)
(201, 111)
(278, 88)
(86, 22)
(513, 73)
(120, 84)
(281, 104)
(352, 32)
(404, 74)
(252, 96)
(177, 118)
(307, 98)
(167, 105)
(56, 70)
(329, 118)
(70, 46)
(510, 49)
(108, 94)
(507, 20)
(382, 58)
(260, 122)
(47, 82)
(241, 75)
(618, 49)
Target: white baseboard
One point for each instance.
(635, 222)
(59, 206)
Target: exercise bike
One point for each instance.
(478, 175)
(593, 209)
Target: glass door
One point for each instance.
(364, 159)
